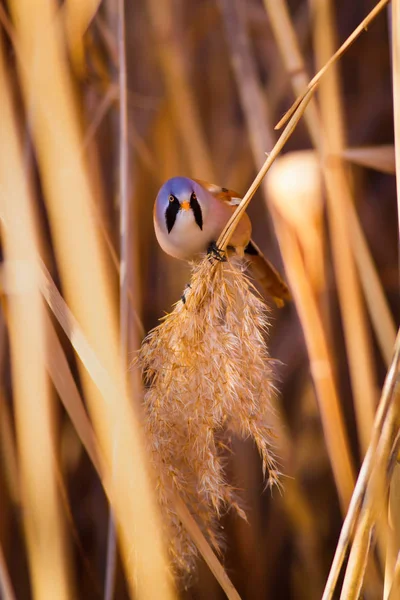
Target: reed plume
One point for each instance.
(208, 376)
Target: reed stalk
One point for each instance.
(339, 197)
(363, 26)
(375, 503)
(335, 433)
(387, 398)
(46, 539)
(320, 363)
(396, 92)
(180, 94)
(80, 253)
(288, 44)
(74, 406)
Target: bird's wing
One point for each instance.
(266, 274)
(228, 196)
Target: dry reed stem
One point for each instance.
(180, 94)
(396, 92)
(379, 312)
(395, 52)
(393, 538)
(227, 233)
(83, 272)
(358, 558)
(47, 544)
(110, 96)
(77, 17)
(259, 124)
(254, 107)
(289, 48)
(339, 197)
(379, 158)
(260, 132)
(333, 175)
(375, 502)
(125, 263)
(286, 39)
(204, 548)
(365, 472)
(64, 383)
(395, 587)
(335, 429)
(209, 376)
(106, 103)
(251, 93)
(335, 57)
(297, 505)
(70, 397)
(69, 394)
(320, 362)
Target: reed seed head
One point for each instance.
(208, 376)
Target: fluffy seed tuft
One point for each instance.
(208, 376)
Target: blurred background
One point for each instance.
(207, 81)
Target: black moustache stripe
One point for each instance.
(196, 208)
(250, 249)
(171, 212)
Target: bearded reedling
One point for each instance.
(189, 216)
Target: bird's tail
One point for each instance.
(267, 275)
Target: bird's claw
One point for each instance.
(215, 253)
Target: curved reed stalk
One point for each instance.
(334, 58)
(387, 398)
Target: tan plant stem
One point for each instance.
(339, 198)
(227, 233)
(80, 257)
(180, 94)
(396, 92)
(387, 397)
(320, 363)
(77, 413)
(293, 60)
(44, 527)
(375, 504)
(334, 429)
(315, 80)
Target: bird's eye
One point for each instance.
(171, 198)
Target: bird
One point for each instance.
(189, 216)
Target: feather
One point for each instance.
(224, 194)
(268, 277)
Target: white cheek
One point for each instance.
(186, 239)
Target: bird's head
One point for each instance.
(181, 198)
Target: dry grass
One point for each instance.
(101, 103)
(209, 376)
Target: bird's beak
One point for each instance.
(185, 205)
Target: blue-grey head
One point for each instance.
(180, 197)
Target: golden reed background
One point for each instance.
(100, 103)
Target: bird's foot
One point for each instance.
(215, 253)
